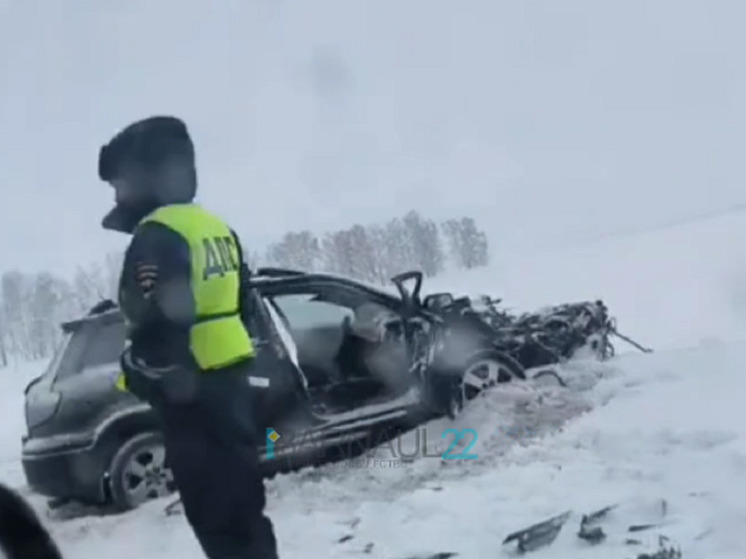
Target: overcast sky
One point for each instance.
(547, 120)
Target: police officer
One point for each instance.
(188, 350)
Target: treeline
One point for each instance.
(32, 305)
(376, 252)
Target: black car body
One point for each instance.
(338, 361)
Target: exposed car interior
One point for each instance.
(373, 346)
(348, 353)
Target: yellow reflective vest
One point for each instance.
(218, 338)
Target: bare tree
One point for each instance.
(467, 243)
(383, 267)
(358, 252)
(363, 254)
(296, 250)
(13, 303)
(475, 247)
(32, 307)
(398, 249)
(338, 254)
(90, 285)
(44, 313)
(426, 247)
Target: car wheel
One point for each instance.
(487, 368)
(138, 472)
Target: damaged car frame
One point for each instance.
(336, 361)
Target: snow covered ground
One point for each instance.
(664, 428)
(662, 435)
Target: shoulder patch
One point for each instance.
(146, 276)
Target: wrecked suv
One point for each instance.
(336, 361)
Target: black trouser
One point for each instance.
(211, 447)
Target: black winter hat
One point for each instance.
(149, 143)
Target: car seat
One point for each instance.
(369, 347)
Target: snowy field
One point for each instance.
(660, 435)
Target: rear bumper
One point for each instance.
(69, 469)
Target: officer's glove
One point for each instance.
(172, 385)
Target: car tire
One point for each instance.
(138, 472)
(487, 368)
